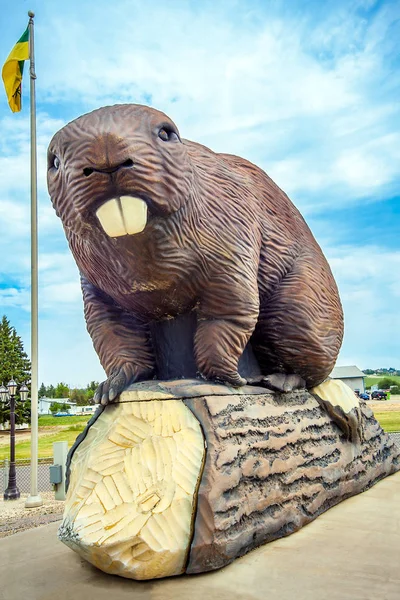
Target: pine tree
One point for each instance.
(14, 364)
(42, 391)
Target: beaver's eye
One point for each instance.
(53, 162)
(167, 134)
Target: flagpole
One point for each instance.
(34, 499)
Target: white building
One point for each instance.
(45, 403)
(351, 376)
(90, 409)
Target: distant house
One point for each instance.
(351, 376)
(90, 409)
(45, 403)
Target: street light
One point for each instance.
(23, 393)
(12, 492)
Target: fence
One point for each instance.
(23, 468)
(396, 437)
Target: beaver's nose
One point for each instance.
(126, 164)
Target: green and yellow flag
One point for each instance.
(13, 69)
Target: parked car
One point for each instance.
(363, 396)
(62, 414)
(378, 395)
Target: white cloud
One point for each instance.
(14, 218)
(14, 297)
(371, 166)
(59, 282)
(367, 277)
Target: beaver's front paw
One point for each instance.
(109, 389)
(117, 382)
(231, 379)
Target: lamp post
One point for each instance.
(12, 491)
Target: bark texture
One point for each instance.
(274, 463)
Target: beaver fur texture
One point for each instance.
(221, 239)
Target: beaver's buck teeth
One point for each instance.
(126, 215)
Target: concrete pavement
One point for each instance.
(351, 552)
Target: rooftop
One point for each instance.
(59, 400)
(345, 372)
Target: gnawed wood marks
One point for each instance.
(132, 489)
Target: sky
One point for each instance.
(307, 90)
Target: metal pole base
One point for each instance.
(11, 494)
(33, 502)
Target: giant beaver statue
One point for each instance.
(160, 226)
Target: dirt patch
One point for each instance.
(26, 436)
(384, 406)
(14, 517)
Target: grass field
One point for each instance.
(23, 449)
(389, 421)
(49, 421)
(375, 380)
(51, 429)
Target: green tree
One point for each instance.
(386, 382)
(14, 363)
(51, 391)
(90, 391)
(42, 393)
(61, 391)
(23, 412)
(55, 407)
(78, 396)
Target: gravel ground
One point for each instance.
(14, 517)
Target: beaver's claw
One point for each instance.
(280, 382)
(233, 379)
(112, 387)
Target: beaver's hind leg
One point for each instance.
(283, 383)
(298, 336)
(300, 326)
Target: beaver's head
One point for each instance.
(117, 168)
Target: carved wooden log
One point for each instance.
(273, 462)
